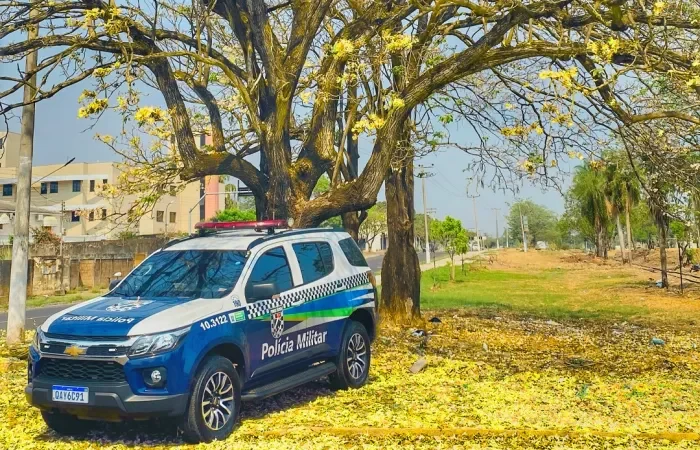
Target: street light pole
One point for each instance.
(498, 242)
(422, 175)
(507, 237)
(476, 221)
(165, 219)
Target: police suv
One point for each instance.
(237, 312)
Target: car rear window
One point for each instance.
(315, 260)
(352, 252)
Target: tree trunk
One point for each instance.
(400, 268)
(599, 241)
(352, 222)
(630, 247)
(452, 268)
(662, 250)
(621, 236)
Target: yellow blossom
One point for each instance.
(305, 96)
(397, 42)
(95, 107)
(343, 48)
(149, 114)
(659, 8)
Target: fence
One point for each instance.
(85, 264)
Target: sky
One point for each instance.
(60, 135)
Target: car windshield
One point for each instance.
(185, 273)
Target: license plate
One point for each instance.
(69, 394)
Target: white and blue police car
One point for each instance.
(239, 311)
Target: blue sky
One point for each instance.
(60, 135)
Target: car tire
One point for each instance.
(66, 424)
(354, 358)
(215, 401)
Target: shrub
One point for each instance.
(234, 215)
(43, 236)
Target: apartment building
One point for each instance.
(71, 191)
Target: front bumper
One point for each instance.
(106, 401)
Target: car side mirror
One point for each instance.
(113, 284)
(261, 291)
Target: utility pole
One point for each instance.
(522, 228)
(20, 244)
(498, 243)
(423, 175)
(476, 221)
(60, 248)
(507, 240)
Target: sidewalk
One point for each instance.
(441, 261)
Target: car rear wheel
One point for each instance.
(354, 358)
(214, 404)
(66, 424)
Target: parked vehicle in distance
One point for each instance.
(541, 245)
(239, 312)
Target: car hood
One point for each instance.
(108, 316)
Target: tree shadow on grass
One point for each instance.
(163, 431)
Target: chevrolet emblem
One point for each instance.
(75, 350)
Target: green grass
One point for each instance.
(39, 301)
(543, 294)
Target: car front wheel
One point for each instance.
(214, 403)
(354, 358)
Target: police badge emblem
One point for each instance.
(277, 323)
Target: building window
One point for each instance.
(159, 216)
(92, 185)
(74, 216)
(7, 190)
(77, 185)
(104, 214)
(53, 187)
(173, 216)
(91, 216)
(104, 181)
(44, 188)
(1, 225)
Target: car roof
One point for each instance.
(247, 239)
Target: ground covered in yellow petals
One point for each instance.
(497, 377)
(494, 382)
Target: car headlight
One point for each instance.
(38, 339)
(157, 343)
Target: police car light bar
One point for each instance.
(256, 225)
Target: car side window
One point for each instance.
(315, 260)
(352, 252)
(271, 267)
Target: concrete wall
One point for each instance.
(120, 248)
(85, 264)
(45, 274)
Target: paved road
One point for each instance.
(375, 261)
(36, 317)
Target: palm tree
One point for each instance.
(614, 201)
(633, 194)
(589, 190)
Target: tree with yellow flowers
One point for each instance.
(287, 89)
